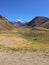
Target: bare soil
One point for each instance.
(12, 40)
(22, 59)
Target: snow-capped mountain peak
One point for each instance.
(19, 23)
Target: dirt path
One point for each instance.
(22, 59)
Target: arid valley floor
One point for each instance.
(21, 49)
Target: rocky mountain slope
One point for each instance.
(39, 21)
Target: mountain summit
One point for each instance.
(39, 21)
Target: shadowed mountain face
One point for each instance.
(39, 22)
(5, 24)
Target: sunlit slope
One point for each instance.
(5, 25)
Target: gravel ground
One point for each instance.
(22, 59)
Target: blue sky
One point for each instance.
(24, 9)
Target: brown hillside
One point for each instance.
(5, 25)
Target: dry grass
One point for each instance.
(41, 28)
(37, 48)
(27, 41)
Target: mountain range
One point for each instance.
(37, 22)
